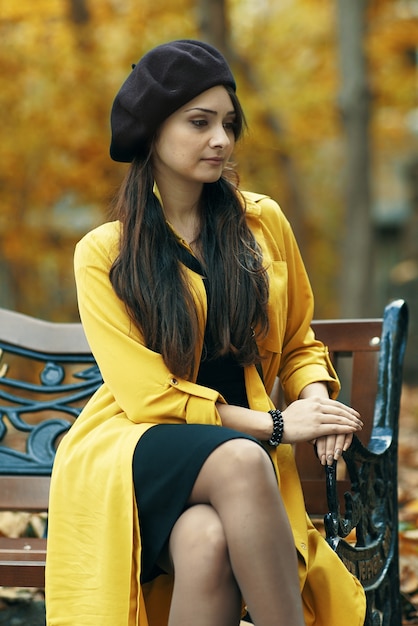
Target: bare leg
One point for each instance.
(205, 591)
(238, 481)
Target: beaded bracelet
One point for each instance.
(278, 426)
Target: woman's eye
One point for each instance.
(199, 123)
(229, 126)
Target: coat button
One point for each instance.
(174, 381)
(303, 546)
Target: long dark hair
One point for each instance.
(148, 277)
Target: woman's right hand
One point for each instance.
(315, 417)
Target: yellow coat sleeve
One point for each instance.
(301, 359)
(137, 377)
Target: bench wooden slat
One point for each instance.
(24, 493)
(364, 389)
(349, 335)
(22, 562)
(34, 334)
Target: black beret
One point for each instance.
(164, 80)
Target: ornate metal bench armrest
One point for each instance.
(365, 533)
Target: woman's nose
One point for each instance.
(220, 138)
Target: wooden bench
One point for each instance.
(47, 374)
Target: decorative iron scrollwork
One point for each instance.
(65, 382)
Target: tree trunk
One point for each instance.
(79, 11)
(212, 18)
(214, 28)
(356, 275)
(80, 19)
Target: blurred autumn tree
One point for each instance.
(63, 60)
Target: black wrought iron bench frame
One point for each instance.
(47, 374)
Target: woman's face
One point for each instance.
(195, 143)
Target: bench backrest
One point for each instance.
(47, 374)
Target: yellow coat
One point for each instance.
(93, 562)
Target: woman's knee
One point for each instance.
(246, 452)
(198, 541)
(244, 461)
(236, 469)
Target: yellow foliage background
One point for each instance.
(62, 62)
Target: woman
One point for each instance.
(174, 497)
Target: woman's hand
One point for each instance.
(327, 423)
(330, 449)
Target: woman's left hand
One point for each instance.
(331, 447)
